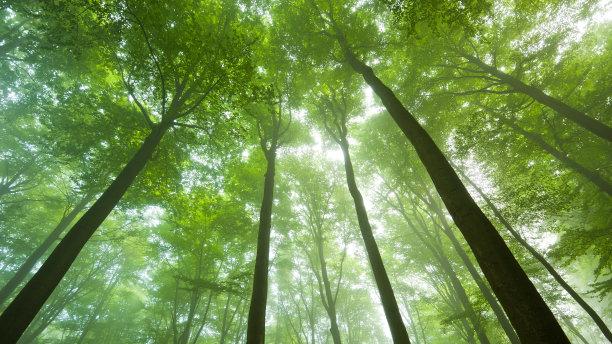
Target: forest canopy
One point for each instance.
(306, 171)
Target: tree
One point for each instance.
(335, 112)
(497, 262)
(194, 79)
(271, 126)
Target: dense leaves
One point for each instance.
(258, 100)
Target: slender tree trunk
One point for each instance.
(389, 303)
(463, 297)
(418, 314)
(224, 325)
(257, 312)
(574, 330)
(449, 294)
(103, 300)
(482, 286)
(533, 320)
(238, 333)
(19, 314)
(445, 264)
(412, 322)
(330, 305)
(594, 126)
(540, 258)
(193, 306)
(195, 337)
(429, 201)
(591, 176)
(194, 300)
(29, 263)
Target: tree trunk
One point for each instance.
(540, 258)
(19, 314)
(446, 266)
(195, 337)
(412, 322)
(94, 314)
(29, 263)
(430, 202)
(533, 320)
(594, 126)
(484, 288)
(418, 314)
(463, 297)
(591, 176)
(574, 330)
(257, 312)
(238, 333)
(389, 303)
(224, 323)
(330, 304)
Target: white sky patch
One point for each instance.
(369, 102)
(300, 115)
(152, 215)
(602, 15)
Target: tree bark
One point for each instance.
(446, 266)
(533, 320)
(19, 314)
(591, 176)
(327, 296)
(482, 286)
(99, 306)
(463, 297)
(29, 263)
(389, 303)
(257, 312)
(224, 323)
(540, 258)
(412, 322)
(594, 126)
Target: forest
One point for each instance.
(306, 171)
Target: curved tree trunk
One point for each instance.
(463, 297)
(594, 126)
(591, 176)
(92, 318)
(327, 296)
(444, 263)
(482, 286)
(19, 314)
(389, 303)
(257, 312)
(540, 258)
(28, 265)
(533, 320)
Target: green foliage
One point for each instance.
(83, 83)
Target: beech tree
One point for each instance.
(305, 171)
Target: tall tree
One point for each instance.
(529, 314)
(541, 259)
(271, 126)
(336, 111)
(198, 74)
(315, 199)
(22, 273)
